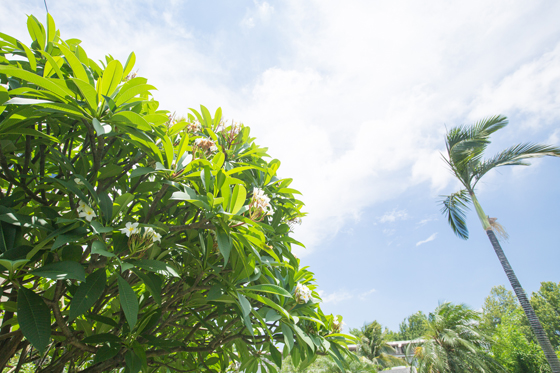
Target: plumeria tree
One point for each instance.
(133, 239)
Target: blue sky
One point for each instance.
(354, 100)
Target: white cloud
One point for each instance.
(261, 13)
(393, 216)
(353, 100)
(343, 295)
(431, 238)
(425, 221)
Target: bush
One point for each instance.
(130, 238)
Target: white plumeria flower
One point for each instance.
(87, 213)
(78, 181)
(193, 127)
(82, 206)
(213, 148)
(303, 294)
(156, 237)
(130, 229)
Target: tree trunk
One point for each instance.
(542, 338)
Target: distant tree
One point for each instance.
(414, 326)
(499, 304)
(514, 350)
(373, 345)
(453, 343)
(546, 303)
(465, 149)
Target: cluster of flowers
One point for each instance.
(149, 233)
(337, 325)
(206, 144)
(193, 127)
(260, 204)
(84, 211)
(303, 294)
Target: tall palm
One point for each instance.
(453, 343)
(465, 148)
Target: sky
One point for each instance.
(354, 99)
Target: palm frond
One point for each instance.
(487, 126)
(454, 207)
(514, 156)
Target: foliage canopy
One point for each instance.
(130, 238)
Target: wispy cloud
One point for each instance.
(425, 221)
(261, 13)
(431, 238)
(344, 295)
(393, 216)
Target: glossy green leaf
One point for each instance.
(130, 61)
(75, 63)
(129, 302)
(224, 244)
(238, 198)
(288, 336)
(35, 79)
(156, 266)
(51, 28)
(269, 303)
(34, 318)
(98, 247)
(269, 288)
(132, 119)
(36, 31)
(245, 305)
(152, 282)
(88, 93)
(87, 294)
(64, 270)
(106, 352)
(112, 76)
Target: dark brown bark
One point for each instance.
(536, 326)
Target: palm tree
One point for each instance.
(454, 343)
(465, 148)
(373, 346)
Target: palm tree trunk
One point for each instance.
(542, 338)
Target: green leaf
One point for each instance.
(133, 362)
(36, 31)
(112, 76)
(87, 294)
(75, 63)
(65, 270)
(105, 353)
(129, 302)
(269, 288)
(99, 229)
(288, 336)
(269, 303)
(99, 130)
(88, 92)
(275, 354)
(207, 117)
(129, 64)
(12, 265)
(132, 119)
(156, 266)
(128, 92)
(51, 28)
(106, 206)
(98, 247)
(102, 338)
(47, 84)
(238, 198)
(224, 244)
(245, 305)
(152, 282)
(34, 318)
